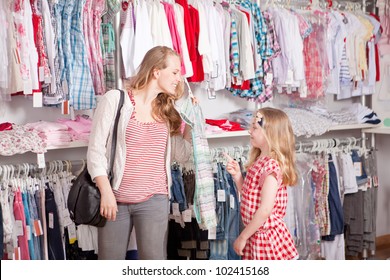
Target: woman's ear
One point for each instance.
(156, 73)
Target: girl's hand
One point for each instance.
(232, 167)
(239, 245)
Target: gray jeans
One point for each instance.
(150, 219)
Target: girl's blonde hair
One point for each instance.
(281, 142)
(163, 105)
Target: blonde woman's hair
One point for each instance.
(163, 105)
(281, 142)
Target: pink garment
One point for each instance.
(81, 137)
(22, 42)
(19, 140)
(92, 13)
(64, 136)
(39, 40)
(78, 126)
(46, 126)
(313, 67)
(19, 216)
(176, 42)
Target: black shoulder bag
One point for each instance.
(84, 195)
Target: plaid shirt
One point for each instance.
(107, 43)
(81, 88)
(256, 91)
(92, 11)
(313, 67)
(234, 49)
(108, 54)
(272, 51)
(272, 241)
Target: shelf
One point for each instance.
(227, 134)
(351, 126)
(74, 144)
(370, 128)
(332, 128)
(378, 130)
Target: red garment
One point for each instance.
(225, 124)
(5, 126)
(197, 64)
(377, 63)
(245, 85)
(189, 30)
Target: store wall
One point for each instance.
(20, 111)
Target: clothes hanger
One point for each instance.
(82, 168)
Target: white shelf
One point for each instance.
(370, 128)
(351, 126)
(242, 133)
(227, 134)
(378, 130)
(74, 144)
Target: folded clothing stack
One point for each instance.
(365, 114)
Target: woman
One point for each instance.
(149, 138)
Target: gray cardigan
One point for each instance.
(99, 147)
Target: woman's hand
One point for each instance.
(108, 205)
(194, 100)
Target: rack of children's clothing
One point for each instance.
(187, 239)
(344, 183)
(34, 215)
(331, 212)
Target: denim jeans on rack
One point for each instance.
(221, 206)
(219, 247)
(177, 188)
(356, 159)
(55, 247)
(234, 218)
(34, 217)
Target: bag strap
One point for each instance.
(115, 132)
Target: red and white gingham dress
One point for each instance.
(273, 240)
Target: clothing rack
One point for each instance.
(327, 144)
(318, 145)
(9, 171)
(233, 151)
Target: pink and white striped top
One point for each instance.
(145, 173)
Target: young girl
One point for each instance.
(264, 190)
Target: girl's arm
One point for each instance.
(268, 195)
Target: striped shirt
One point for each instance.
(145, 173)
